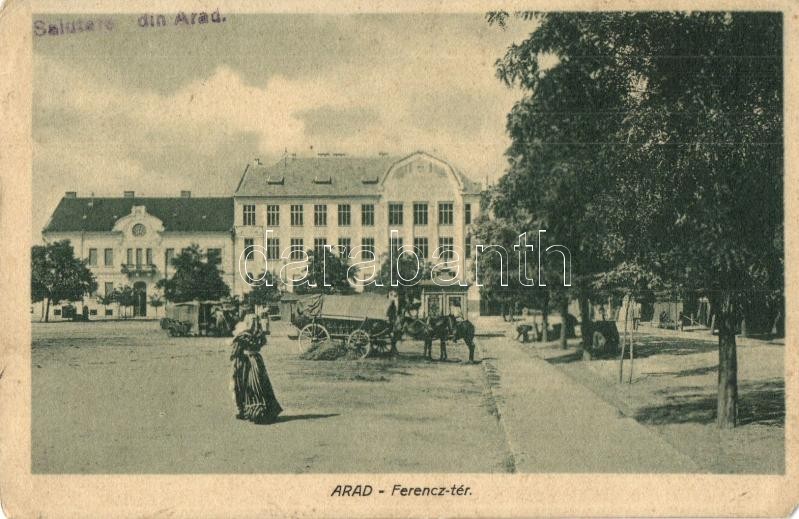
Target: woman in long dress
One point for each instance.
(255, 399)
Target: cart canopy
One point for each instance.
(184, 312)
(360, 306)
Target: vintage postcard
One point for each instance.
(415, 259)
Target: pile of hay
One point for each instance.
(334, 351)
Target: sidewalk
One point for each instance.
(704, 334)
(554, 424)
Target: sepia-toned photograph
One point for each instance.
(369, 242)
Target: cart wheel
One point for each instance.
(381, 347)
(359, 342)
(313, 335)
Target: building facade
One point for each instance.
(357, 203)
(130, 241)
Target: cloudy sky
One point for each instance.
(157, 110)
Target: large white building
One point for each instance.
(129, 241)
(305, 202)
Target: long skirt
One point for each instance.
(252, 390)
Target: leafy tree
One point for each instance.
(261, 293)
(407, 271)
(156, 301)
(665, 131)
(503, 234)
(196, 277)
(57, 275)
(329, 272)
(496, 267)
(554, 171)
(106, 299)
(125, 298)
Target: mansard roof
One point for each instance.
(203, 214)
(330, 175)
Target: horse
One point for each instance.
(439, 328)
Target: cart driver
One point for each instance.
(413, 306)
(392, 315)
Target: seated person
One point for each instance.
(413, 306)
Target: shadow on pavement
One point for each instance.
(567, 358)
(762, 404)
(694, 372)
(292, 417)
(646, 346)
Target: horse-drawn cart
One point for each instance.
(358, 321)
(191, 318)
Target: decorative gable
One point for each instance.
(139, 224)
(418, 175)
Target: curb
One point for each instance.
(491, 379)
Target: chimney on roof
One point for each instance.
(129, 194)
(185, 194)
(71, 194)
(257, 161)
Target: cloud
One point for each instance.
(443, 110)
(329, 121)
(96, 132)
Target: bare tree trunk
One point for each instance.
(564, 319)
(47, 311)
(545, 316)
(624, 341)
(727, 404)
(585, 325)
(632, 351)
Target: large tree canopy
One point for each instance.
(404, 269)
(57, 275)
(196, 277)
(651, 145)
(264, 291)
(328, 273)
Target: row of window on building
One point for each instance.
(446, 214)
(108, 289)
(138, 256)
(421, 245)
(67, 315)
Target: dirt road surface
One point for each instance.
(125, 398)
